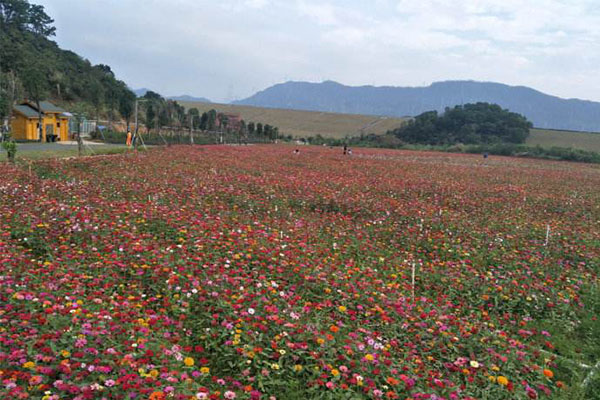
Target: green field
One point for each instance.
(307, 123)
(554, 138)
(331, 125)
(37, 151)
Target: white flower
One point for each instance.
(251, 311)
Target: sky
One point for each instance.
(229, 49)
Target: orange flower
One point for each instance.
(548, 374)
(189, 361)
(502, 380)
(334, 328)
(392, 381)
(157, 396)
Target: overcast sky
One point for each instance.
(229, 49)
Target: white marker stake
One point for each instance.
(547, 235)
(413, 282)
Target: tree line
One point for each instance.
(479, 123)
(159, 112)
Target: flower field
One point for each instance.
(249, 272)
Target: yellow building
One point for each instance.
(25, 123)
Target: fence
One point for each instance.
(171, 136)
(86, 127)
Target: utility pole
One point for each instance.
(191, 129)
(136, 116)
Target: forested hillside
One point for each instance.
(33, 66)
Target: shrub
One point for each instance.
(11, 149)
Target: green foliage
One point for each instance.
(469, 124)
(20, 15)
(48, 71)
(11, 149)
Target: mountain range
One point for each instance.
(184, 97)
(545, 111)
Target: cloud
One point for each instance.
(232, 48)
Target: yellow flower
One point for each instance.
(502, 380)
(65, 353)
(274, 366)
(205, 370)
(189, 361)
(369, 357)
(342, 308)
(154, 373)
(335, 372)
(29, 365)
(298, 367)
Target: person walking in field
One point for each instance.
(128, 142)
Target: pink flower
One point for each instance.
(229, 395)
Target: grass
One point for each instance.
(307, 123)
(337, 126)
(68, 151)
(554, 138)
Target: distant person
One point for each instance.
(128, 141)
(349, 152)
(345, 149)
(485, 155)
(296, 151)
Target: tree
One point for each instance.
(194, 117)
(251, 128)
(39, 22)
(211, 120)
(204, 121)
(126, 105)
(259, 129)
(97, 99)
(150, 116)
(267, 131)
(21, 15)
(34, 83)
(480, 123)
(14, 13)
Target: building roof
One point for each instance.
(46, 107)
(26, 110)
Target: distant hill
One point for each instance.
(141, 92)
(543, 110)
(186, 97)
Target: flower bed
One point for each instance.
(250, 272)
